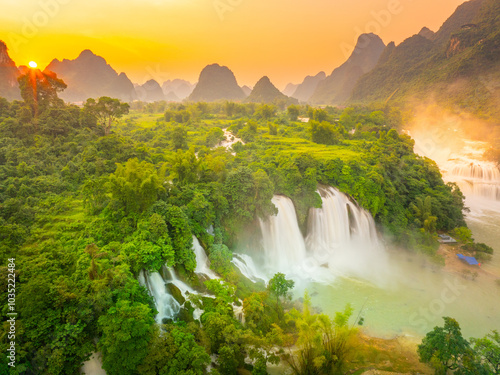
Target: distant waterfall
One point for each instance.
(284, 245)
(167, 306)
(202, 263)
(476, 179)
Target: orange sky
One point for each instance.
(166, 39)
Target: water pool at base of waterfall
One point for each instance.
(414, 301)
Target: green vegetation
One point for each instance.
(445, 349)
(458, 68)
(84, 209)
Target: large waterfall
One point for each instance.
(341, 240)
(284, 246)
(342, 237)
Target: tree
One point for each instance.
(444, 348)
(174, 352)
(293, 112)
(279, 286)
(266, 111)
(214, 137)
(39, 90)
(488, 351)
(179, 138)
(135, 185)
(423, 214)
(126, 330)
(325, 133)
(220, 259)
(184, 166)
(106, 111)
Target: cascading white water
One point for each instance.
(166, 305)
(476, 179)
(248, 268)
(343, 238)
(284, 245)
(202, 263)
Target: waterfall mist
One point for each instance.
(341, 240)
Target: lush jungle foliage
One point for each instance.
(87, 202)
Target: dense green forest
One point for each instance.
(92, 195)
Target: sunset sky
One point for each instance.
(166, 39)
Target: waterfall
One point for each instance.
(476, 179)
(341, 240)
(342, 237)
(284, 245)
(166, 305)
(202, 264)
(248, 268)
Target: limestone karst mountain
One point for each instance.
(337, 87)
(90, 76)
(216, 83)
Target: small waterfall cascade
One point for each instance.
(248, 268)
(202, 263)
(476, 179)
(284, 246)
(167, 306)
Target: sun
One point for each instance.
(32, 64)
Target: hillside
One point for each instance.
(458, 67)
(337, 87)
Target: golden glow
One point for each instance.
(285, 40)
(32, 64)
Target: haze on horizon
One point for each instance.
(177, 38)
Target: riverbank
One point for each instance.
(455, 266)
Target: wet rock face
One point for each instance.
(176, 293)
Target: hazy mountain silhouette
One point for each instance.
(458, 67)
(150, 91)
(265, 92)
(9, 87)
(304, 91)
(337, 87)
(216, 83)
(247, 90)
(178, 88)
(90, 76)
(290, 89)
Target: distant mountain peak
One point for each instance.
(5, 59)
(304, 91)
(90, 76)
(265, 92)
(9, 87)
(427, 33)
(216, 82)
(338, 86)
